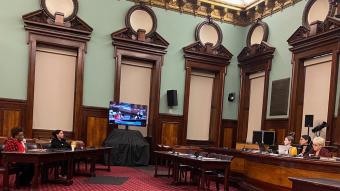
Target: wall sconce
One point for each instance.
(231, 97)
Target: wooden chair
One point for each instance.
(168, 164)
(219, 176)
(332, 149)
(79, 145)
(12, 170)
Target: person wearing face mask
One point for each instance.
(15, 144)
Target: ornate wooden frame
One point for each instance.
(211, 59)
(144, 8)
(69, 18)
(152, 50)
(253, 59)
(253, 27)
(306, 10)
(318, 39)
(74, 36)
(215, 25)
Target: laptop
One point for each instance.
(283, 149)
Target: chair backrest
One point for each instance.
(45, 145)
(30, 140)
(332, 149)
(203, 154)
(3, 139)
(30, 146)
(186, 149)
(78, 143)
(163, 148)
(213, 155)
(226, 157)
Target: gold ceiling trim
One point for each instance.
(223, 12)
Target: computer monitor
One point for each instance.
(269, 137)
(257, 137)
(265, 137)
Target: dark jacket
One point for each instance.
(59, 144)
(307, 150)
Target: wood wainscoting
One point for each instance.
(280, 126)
(229, 133)
(95, 126)
(170, 130)
(47, 134)
(12, 114)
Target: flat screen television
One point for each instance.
(127, 114)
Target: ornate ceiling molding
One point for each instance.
(222, 12)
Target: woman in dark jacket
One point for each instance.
(58, 141)
(305, 145)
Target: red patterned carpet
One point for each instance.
(139, 178)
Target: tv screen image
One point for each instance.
(127, 114)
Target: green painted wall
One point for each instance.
(13, 48)
(281, 26)
(177, 29)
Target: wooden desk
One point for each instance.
(37, 159)
(315, 184)
(105, 151)
(51, 156)
(269, 172)
(199, 163)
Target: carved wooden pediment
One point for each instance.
(75, 28)
(127, 37)
(256, 51)
(300, 33)
(198, 50)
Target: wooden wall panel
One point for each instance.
(10, 119)
(94, 128)
(12, 114)
(336, 132)
(280, 126)
(170, 133)
(96, 131)
(229, 133)
(228, 137)
(47, 134)
(169, 130)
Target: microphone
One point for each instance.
(319, 127)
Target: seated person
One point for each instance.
(288, 140)
(305, 145)
(318, 150)
(58, 141)
(15, 144)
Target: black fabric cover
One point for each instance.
(129, 148)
